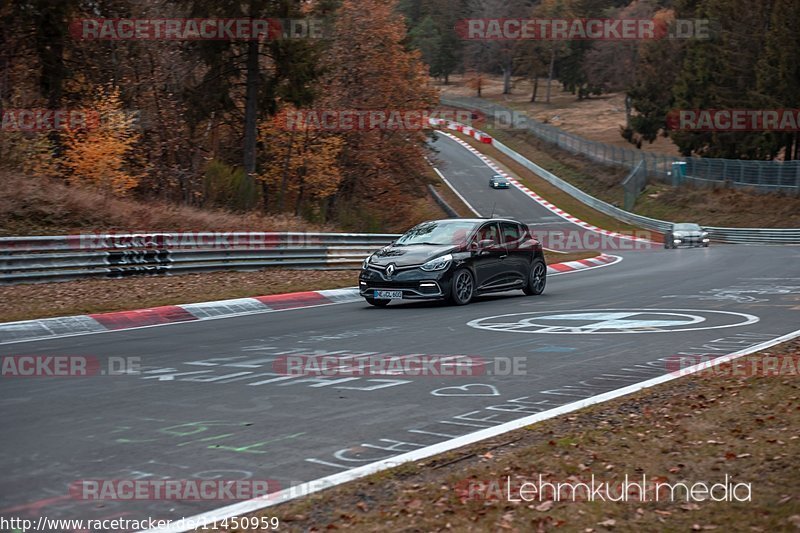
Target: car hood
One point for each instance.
(414, 254)
(688, 233)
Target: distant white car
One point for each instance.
(686, 234)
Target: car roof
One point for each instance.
(478, 220)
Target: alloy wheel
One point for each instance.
(464, 287)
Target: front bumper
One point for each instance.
(414, 282)
(690, 241)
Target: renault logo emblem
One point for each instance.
(390, 270)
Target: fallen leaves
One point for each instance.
(544, 506)
(608, 523)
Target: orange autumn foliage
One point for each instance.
(99, 155)
(302, 164)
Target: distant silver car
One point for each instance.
(498, 182)
(686, 234)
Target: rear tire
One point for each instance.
(377, 303)
(537, 278)
(462, 289)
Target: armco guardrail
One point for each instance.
(61, 258)
(729, 235)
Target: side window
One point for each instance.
(489, 232)
(511, 234)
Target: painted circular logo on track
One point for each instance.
(608, 321)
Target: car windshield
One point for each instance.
(438, 232)
(686, 227)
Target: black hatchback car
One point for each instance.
(455, 259)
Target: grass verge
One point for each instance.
(697, 429)
(39, 206)
(43, 300)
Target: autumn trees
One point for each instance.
(357, 171)
(198, 121)
(372, 69)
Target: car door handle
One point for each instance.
(503, 257)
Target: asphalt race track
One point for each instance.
(208, 403)
(470, 176)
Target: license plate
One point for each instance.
(389, 295)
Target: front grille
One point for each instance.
(393, 285)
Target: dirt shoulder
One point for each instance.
(696, 429)
(598, 118)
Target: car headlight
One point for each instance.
(365, 264)
(439, 263)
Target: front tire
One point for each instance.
(463, 287)
(377, 303)
(537, 278)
